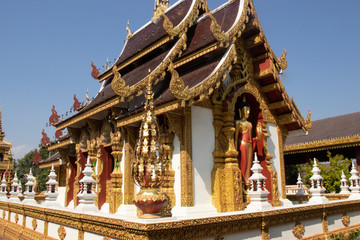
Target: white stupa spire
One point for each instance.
(87, 194)
(354, 182)
(317, 189)
(51, 189)
(3, 186)
(344, 184)
(29, 189)
(258, 193)
(300, 189)
(15, 189)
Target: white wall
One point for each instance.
(176, 168)
(203, 144)
(273, 147)
(61, 197)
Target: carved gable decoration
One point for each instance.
(105, 133)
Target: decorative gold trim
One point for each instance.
(34, 224)
(60, 144)
(85, 115)
(345, 220)
(48, 165)
(177, 85)
(325, 144)
(219, 34)
(158, 111)
(298, 230)
(192, 228)
(16, 218)
(130, 142)
(61, 232)
(281, 140)
(185, 23)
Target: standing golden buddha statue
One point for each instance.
(243, 141)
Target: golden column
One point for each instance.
(130, 142)
(186, 168)
(166, 140)
(116, 194)
(228, 189)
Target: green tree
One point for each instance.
(330, 172)
(24, 164)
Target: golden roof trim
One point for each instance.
(158, 110)
(323, 144)
(155, 73)
(49, 164)
(106, 105)
(60, 144)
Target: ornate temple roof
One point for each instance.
(187, 52)
(53, 159)
(334, 132)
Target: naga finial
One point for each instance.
(87, 95)
(159, 8)
(308, 122)
(129, 33)
(107, 64)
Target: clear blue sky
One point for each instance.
(46, 48)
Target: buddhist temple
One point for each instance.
(184, 140)
(339, 135)
(6, 165)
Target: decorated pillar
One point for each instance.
(116, 194)
(166, 140)
(180, 124)
(130, 142)
(186, 167)
(227, 190)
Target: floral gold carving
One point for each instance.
(298, 230)
(118, 84)
(180, 91)
(185, 24)
(282, 60)
(345, 220)
(61, 232)
(116, 193)
(130, 142)
(34, 224)
(166, 140)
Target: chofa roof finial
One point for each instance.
(159, 8)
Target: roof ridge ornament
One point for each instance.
(160, 8)
(94, 71)
(129, 33)
(308, 122)
(282, 61)
(118, 84)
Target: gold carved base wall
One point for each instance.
(228, 190)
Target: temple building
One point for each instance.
(338, 135)
(184, 140)
(6, 165)
(204, 67)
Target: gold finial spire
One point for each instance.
(87, 95)
(107, 63)
(129, 33)
(1, 133)
(159, 8)
(308, 122)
